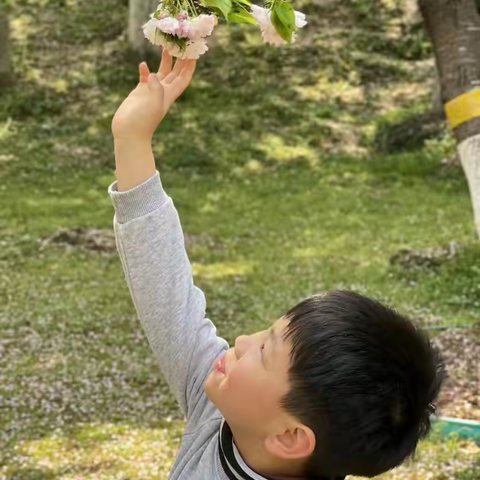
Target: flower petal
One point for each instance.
(169, 25)
(261, 15)
(195, 49)
(150, 31)
(201, 26)
(300, 19)
(271, 36)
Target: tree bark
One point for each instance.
(5, 66)
(454, 28)
(139, 14)
(437, 101)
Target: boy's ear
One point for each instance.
(296, 443)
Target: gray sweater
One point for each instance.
(171, 309)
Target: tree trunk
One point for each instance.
(454, 28)
(5, 69)
(139, 14)
(437, 101)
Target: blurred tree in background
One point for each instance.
(5, 65)
(139, 13)
(454, 27)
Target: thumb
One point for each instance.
(143, 72)
(154, 83)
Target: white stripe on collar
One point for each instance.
(245, 467)
(232, 460)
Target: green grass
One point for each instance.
(269, 159)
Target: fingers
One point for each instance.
(181, 82)
(143, 72)
(179, 64)
(154, 84)
(165, 65)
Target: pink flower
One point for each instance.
(184, 30)
(169, 25)
(192, 32)
(201, 26)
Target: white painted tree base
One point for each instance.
(469, 152)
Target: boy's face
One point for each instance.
(255, 379)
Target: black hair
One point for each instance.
(363, 378)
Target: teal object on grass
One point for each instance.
(466, 429)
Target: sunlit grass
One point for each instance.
(97, 451)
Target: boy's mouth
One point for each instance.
(220, 365)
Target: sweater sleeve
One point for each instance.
(170, 307)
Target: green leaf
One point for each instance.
(217, 12)
(241, 16)
(242, 2)
(278, 22)
(286, 14)
(224, 5)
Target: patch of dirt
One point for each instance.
(89, 238)
(460, 395)
(410, 259)
(104, 240)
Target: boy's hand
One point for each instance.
(142, 111)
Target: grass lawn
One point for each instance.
(270, 160)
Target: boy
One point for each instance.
(339, 385)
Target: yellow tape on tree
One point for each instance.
(463, 108)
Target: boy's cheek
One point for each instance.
(241, 386)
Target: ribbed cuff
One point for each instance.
(138, 201)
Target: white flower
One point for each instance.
(173, 49)
(196, 48)
(263, 18)
(269, 33)
(150, 32)
(261, 15)
(169, 25)
(201, 26)
(192, 50)
(300, 19)
(161, 40)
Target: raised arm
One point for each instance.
(151, 245)
(139, 115)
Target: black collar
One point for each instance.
(234, 466)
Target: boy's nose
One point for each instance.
(240, 345)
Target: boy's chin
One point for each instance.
(214, 382)
(210, 387)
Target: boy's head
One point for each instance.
(346, 387)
